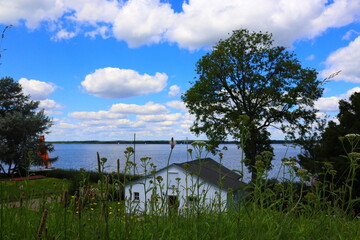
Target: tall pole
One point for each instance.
(187, 152)
(134, 151)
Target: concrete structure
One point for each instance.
(201, 184)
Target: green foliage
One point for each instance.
(334, 149)
(246, 85)
(20, 127)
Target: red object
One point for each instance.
(43, 153)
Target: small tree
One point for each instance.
(20, 127)
(246, 85)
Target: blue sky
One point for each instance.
(106, 69)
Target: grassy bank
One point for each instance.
(90, 205)
(94, 223)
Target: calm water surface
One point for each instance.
(76, 156)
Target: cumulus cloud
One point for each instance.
(203, 21)
(177, 105)
(331, 104)
(328, 104)
(174, 91)
(96, 115)
(32, 12)
(160, 117)
(122, 83)
(148, 108)
(200, 23)
(37, 90)
(49, 104)
(345, 59)
(63, 34)
(141, 22)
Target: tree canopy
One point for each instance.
(244, 86)
(20, 127)
(332, 145)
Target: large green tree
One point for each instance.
(331, 147)
(244, 86)
(20, 127)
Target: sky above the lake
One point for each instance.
(106, 69)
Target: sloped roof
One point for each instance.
(212, 172)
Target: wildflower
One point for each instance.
(129, 150)
(172, 143)
(328, 166)
(302, 171)
(267, 154)
(119, 203)
(144, 159)
(199, 144)
(103, 159)
(352, 135)
(258, 158)
(354, 156)
(190, 151)
(260, 165)
(91, 209)
(333, 172)
(110, 213)
(159, 178)
(186, 166)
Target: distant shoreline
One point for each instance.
(149, 142)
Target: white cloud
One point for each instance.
(349, 34)
(63, 34)
(345, 59)
(141, 22)
(328, 104)
(49, 104)
(160, 117)
(33, 12)
(94, 11)
(174, 91)
(38, 90)
(331, 104)
(122, 83)
(177, 105)
(148, 108)
(350, 92)
(96, 115)
(201, 23)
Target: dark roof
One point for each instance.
(212, 172)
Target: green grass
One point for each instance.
(269, 210)
(12, 190)
(99, 218)
(67, 223)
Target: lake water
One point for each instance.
(76, 156)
